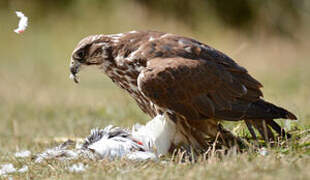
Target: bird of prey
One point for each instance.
(194, 85)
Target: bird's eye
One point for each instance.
(80, 56)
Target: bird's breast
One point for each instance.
(126, 78)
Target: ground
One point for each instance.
(38, 102)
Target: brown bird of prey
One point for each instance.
(194, 85)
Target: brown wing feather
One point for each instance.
(182, 73)
(202, 87)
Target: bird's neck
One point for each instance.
(127, 61)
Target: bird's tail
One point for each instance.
(264, 110)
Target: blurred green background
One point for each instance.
(37, 99)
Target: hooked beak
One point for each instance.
(74, 69)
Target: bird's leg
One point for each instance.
(263, 129)
(251, 130)
(212, 128)
(278, 128)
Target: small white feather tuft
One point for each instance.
(23, 22)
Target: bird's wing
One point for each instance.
(199, 88)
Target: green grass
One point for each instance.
(38, 102)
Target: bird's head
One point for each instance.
(93, 50)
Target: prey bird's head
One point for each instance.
(90, 51)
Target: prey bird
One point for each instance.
(192, 84)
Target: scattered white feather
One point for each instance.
(80, 167)
(22, 154)
(9, 168)
(6, 169)
(23, 169)
(60, 152)
(141, 156)
(23, 22)
(263, 152)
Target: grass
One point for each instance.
(38, 101)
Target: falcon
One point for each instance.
(193, 85)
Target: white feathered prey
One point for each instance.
(23, 22)
(143, 142)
